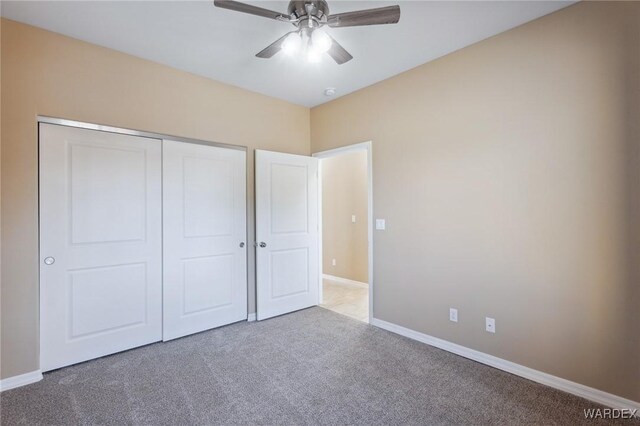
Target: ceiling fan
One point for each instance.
(309, 17)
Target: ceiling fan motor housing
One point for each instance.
(310, 14)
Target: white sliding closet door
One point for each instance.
(205, 258)
(100, 244)
(287, 256)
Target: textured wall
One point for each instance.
(48, 74)
(509, 176)
(344, 193)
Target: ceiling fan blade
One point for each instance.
(253, 10)
(273, 48)
(339, 53)
(381, 15)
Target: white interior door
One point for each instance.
(205, 257)
(287, 254)
(100, 244)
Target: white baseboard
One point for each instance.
(21, 380)
(344, 280)
(565, 385)
(251, 317)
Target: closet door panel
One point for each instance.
(205, 260)
(100, 243)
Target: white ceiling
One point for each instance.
(221, 44)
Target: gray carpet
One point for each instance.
(308, 367)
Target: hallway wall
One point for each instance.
(344, 193)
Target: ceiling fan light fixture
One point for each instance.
(292, 44)
(321, 40)
(308, 16)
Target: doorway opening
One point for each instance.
(345, 206)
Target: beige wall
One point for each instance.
(49, 74)
(344, 193)
(509, 176)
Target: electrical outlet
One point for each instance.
(333, 262)
(353, 218)
(453, 314)
(490, 325)
(380, 224)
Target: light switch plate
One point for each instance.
(490, 325)
(380, 224)
(453, 314)
(353, 218)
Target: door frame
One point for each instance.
(358, 147)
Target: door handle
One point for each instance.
(49, 260)
(263, 244)
(242, 244)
